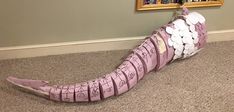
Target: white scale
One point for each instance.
(184, 36)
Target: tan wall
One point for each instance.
(27, 22)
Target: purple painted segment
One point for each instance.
(202, 34)
(68, 93)
(55, 93)
(144, 56)
(106, 86)
(170, 50)
(135, 60)
(130, 72)
(81, 92)
(120, 82)
(161, 46)
(154, 40)
(148, 45)
(94, 91)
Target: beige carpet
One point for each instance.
(202, 83)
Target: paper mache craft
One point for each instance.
(179, 39)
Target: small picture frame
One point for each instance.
(172, 4)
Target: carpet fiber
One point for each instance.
(203, 83)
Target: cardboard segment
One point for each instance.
(119, 81)
(138, 65)
(170, 50)
(106, 86)
(68, 93)
(202, 35)
(128, 69)
(81, 92)
(148, 45)
(94, 90)
(55, 93)
(159, 43)
(145, 57)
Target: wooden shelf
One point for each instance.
(141, 6)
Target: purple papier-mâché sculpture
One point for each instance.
(179, 39)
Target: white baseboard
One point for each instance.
(91, 45)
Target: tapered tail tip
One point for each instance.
(11, 79)
(36, 86)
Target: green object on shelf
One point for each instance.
(165, 1)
